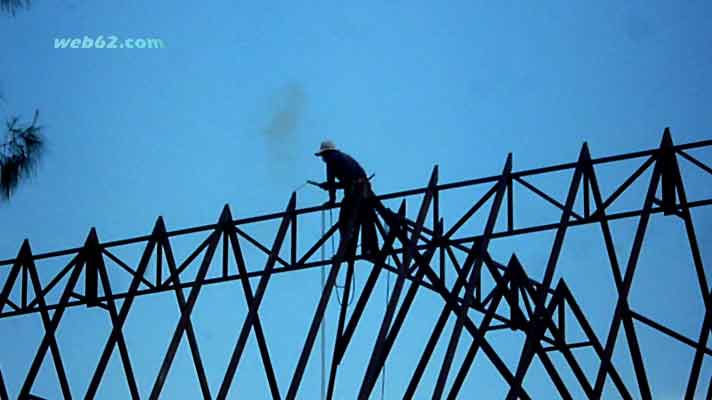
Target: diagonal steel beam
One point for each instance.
(186, 308)
(518, 279)
(50, 326)
(474, 257)
(346, 246)
(618, 279)
(668, 331)
(621, 314)
(127, 268)
(10, 281)
(257, 300)
(3, 389)
(249, 297)
(123, 348)
(527, 354)
(591, 337)
(537, 326)
(478, 204)
(474, 347)
(695, 161)
(546, 197)
(422, 265)
(678, 187)
(453, 303)
(188, 260)
(94, 259)
(121, 319)
(461, 313)
(344, 335)
(367, 289)
(377, 356)
(316, 322)
(318, 244)
(559, 336)
(340, 331)
(622, 188)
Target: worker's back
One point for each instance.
(343, 167)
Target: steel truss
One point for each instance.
(420, 253)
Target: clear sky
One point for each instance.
(232, 109)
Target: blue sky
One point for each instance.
(232, 109)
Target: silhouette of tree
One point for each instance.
(19, 154)
(10, 6)
(23, 145)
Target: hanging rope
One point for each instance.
(323, 321)
(331, 223)
(383, 374)
(353, 275)
(338, 297)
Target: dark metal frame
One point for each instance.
(419, 256)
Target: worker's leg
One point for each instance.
(348, 223)
(367, 220)
(369, 240)
(352, 245)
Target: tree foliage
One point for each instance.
(23, 145)
(19, 154)
(10, 6)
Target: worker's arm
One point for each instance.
(330, 185)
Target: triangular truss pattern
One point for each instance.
(425, 254)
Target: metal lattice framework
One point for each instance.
(422, 254)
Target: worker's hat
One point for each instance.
(326, 145)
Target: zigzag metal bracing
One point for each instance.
(422, 253)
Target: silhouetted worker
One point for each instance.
(356, 207)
